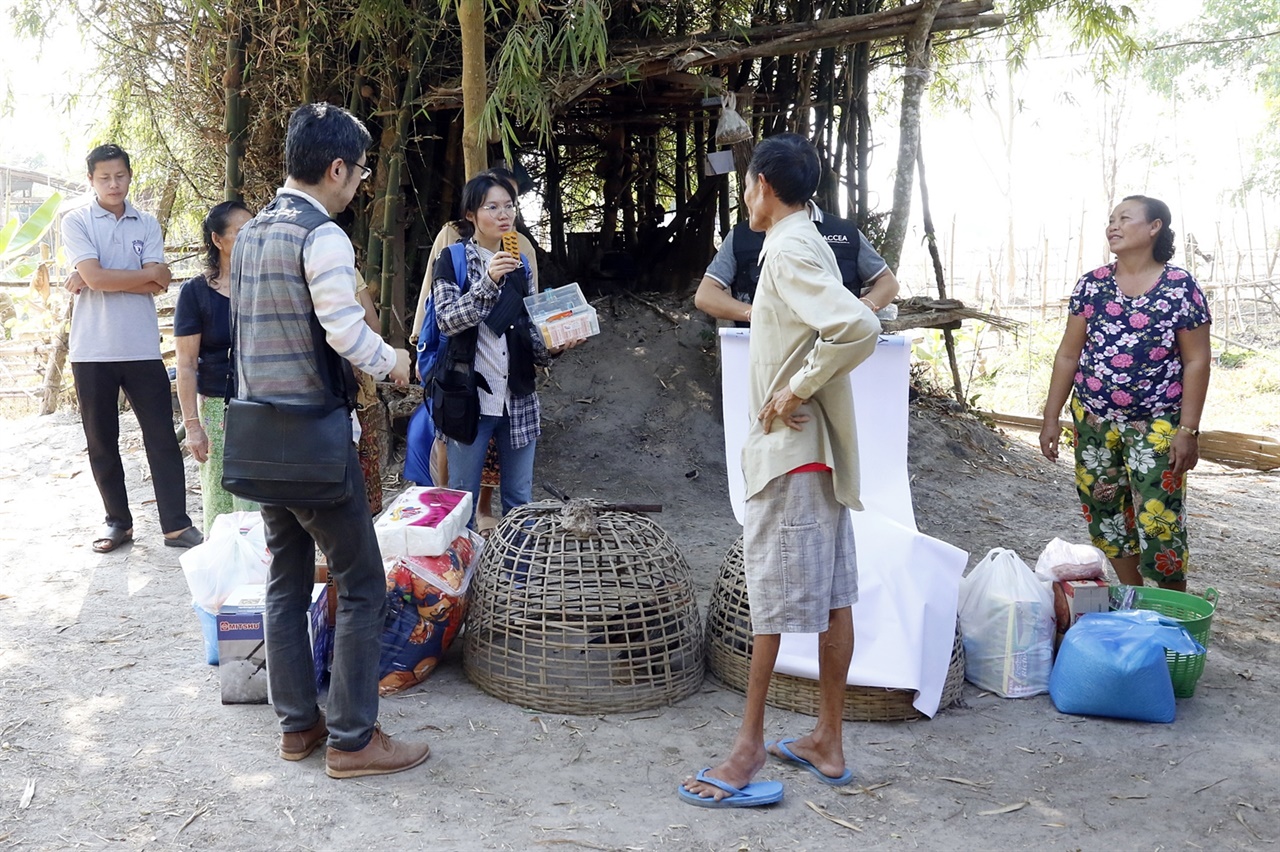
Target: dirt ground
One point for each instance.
(112, 734)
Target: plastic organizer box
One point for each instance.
(562, 315)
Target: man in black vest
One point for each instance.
(729, 284)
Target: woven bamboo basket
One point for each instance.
(571, 621)
(729, 659)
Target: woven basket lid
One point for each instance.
(576, 608)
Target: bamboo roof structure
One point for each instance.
(670, 61)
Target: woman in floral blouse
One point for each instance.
(1135, 360)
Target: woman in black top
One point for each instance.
(202, 335)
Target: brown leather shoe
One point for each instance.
(382, 756)
(298, 745)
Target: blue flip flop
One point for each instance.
(791, 757)
(754, 794)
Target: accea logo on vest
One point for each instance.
(836, 238)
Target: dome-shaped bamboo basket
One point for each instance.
(729, 641)
(567, 622)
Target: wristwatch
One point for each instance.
(1195, 433)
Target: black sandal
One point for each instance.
(189, 537)
(110, 538)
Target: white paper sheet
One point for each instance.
(908, 582)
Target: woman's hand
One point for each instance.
(1184, 452)
(500, 264)
(572, 344)
(1050, 435)
(197, 441)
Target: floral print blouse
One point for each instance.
(1131, 367)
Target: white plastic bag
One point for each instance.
(1063, 560)
(731, 128)
(1006, 616)
(234, 553)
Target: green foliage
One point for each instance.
(1235, 40)
(1233, 359)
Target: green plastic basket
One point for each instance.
(1196, 615)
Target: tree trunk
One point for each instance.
(931, 238)
(915, 79)
(53, 373)
(474, 88)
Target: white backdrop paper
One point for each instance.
(908, 582)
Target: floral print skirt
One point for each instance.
(1130, 499)
(216, 501)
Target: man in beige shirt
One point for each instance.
(801, 468)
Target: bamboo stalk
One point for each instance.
(235, 118)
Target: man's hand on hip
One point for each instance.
(783, 406)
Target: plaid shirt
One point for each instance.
(457, 311)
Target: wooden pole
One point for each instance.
(235, 119)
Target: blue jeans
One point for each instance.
(345, 535)
(466, 464)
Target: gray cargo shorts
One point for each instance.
(798, 553)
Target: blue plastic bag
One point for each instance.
(418, 441)
(1113, 664)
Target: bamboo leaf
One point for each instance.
(1007, 809)
(822, 813)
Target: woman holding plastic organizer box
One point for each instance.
(1135, 359)
(484, 383)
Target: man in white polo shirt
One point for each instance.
(118, 255)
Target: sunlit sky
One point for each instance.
(1190, 153)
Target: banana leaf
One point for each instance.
(33, 229)
(6, 233)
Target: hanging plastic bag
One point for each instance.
(234, 553)
(1063, 560)
(1006, 616)
(731, 127)
(1113, 664)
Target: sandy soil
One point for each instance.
(112, 734)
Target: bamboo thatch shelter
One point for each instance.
(610, 108)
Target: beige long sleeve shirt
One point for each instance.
(807, 332)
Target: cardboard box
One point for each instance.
(1074, 598)
(422, 522)
(242, 649)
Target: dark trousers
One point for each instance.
(146, 386)
(346, 537)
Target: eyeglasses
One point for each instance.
(365, 171)
(495, 209)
